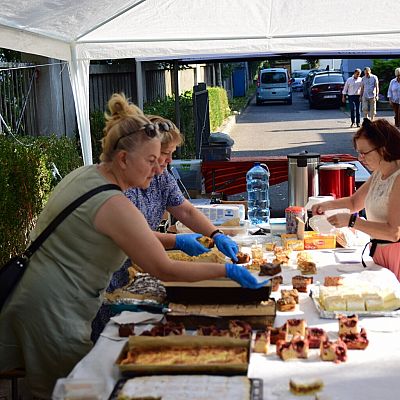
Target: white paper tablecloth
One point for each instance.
(371, 374)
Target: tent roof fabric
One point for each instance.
(177, 29)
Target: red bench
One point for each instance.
(229, 177)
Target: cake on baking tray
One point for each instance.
(240, 329)
(168, 328)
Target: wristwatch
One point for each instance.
(352, 220)
(215, 232)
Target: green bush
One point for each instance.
(219, 106)
(384, 70)
(166, 109)
(26, 179)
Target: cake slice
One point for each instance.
(333, 281)
(290, 292)
(358, 341)
(278, 334)
(296, 327)
(335, 303)
(305, 386)
(333, 351)
(261, 342)
(298, 347)
(315, 336)
(348, 324)
(286, 304)
(373, 302)
(355, 302)
(301, 283)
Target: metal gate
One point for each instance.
(18, 99)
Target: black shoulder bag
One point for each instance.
(12, 271)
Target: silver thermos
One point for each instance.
(302, 177)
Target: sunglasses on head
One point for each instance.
(151, 131)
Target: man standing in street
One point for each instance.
(394, 96)
(369, 93)
(352, 88)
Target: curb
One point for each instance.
(230, 122)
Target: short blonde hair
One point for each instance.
(124, 127)
(169, 132)
(397, 72)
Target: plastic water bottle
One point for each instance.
(257, 179)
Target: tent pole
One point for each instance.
(79, 75)
(176, 93)
(139, 84)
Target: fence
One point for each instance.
(18, 98)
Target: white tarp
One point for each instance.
(184, 29)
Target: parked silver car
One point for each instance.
(274, 84)
(298, 77)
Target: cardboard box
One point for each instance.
(316, 241)
(291, 241)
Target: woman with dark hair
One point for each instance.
(378, 147)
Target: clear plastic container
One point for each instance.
(228, 230)
(78, 389)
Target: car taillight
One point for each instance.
(315, 90)
(258, 83)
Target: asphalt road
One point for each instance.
(279, 129)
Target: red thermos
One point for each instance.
(337, 179)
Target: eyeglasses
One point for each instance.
(364, 153)
(151, 131)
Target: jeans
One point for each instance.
(354, 104)
(369, 108)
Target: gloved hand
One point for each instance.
(188, 243)
(226, 245)
(242, 276)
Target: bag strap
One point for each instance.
(63, 214)
(374, 243)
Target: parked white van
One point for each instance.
(274, 84)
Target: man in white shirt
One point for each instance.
(394, 96)
(352, 89)
(369, 93)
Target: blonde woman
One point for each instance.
(163, 194)
(45, 324)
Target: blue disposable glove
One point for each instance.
(242, 276)
(226, 245)
(188, 243)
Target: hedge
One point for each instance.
(26, 180)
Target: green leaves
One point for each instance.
(26, 180)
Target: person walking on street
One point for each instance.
(394, 96)
(369, 93)
(352, 89)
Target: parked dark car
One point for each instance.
(308, 79)
(326, 89)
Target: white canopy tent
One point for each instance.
(82, 30)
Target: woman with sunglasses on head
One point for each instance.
(163, 194)
(45, 323)
(378, 147)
